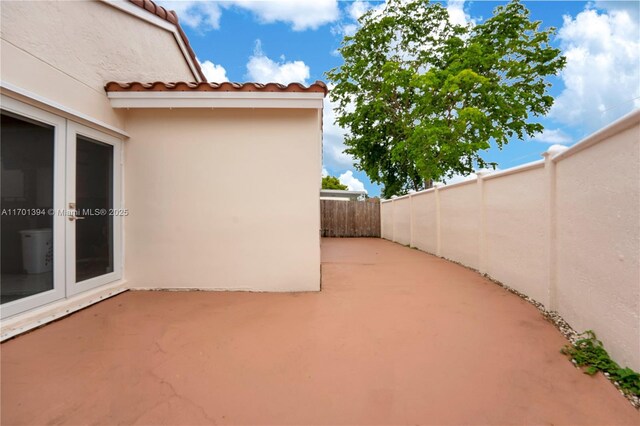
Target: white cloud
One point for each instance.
(457, 14)
(601, 78)
(302, 15)
(628, 5)
(345, 29)
(349, 24)
(358, 8)
(352, 182)
(213, 72)
(263, 69)
(325, 173)
(203, 15)
(552, 136)
(333, 139)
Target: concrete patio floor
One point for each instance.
(395, 337)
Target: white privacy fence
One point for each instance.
(564, 230)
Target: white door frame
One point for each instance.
(59, 200)
(73, 131)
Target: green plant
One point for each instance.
(332, 182)
(589, 352)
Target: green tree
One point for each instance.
(332, 182)
(421, 97)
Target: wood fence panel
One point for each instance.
(350, 218)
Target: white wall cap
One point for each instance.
(553, 150)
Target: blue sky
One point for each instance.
(286, 40)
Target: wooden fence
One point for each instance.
(350, 218)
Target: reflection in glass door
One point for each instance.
(94, 204)
(27, 151)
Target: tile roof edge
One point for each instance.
(184, 86)
(171, 17)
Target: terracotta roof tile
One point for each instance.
(172, 17)
(183, 86)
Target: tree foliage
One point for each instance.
(332, 182)
(421, 97)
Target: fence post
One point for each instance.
(411, 221)
(381, 221)
(393, 219)
(436, 186)
(482, 228)
(552, 248)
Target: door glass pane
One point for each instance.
(94, 200)
(26, 201)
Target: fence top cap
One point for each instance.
(554, 150)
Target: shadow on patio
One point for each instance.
(396, 336)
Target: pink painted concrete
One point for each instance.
(395, 337)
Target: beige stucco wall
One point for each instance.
(424, 221)
(598, 242)
(386, 220)
(402, 221)
(459, 213)
(210, 199)
(516, 233)
(564, 231)
(66, 51)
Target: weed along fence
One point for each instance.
(350, 218)
(563, 230)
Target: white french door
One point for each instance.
(61, 223)
(93, 230)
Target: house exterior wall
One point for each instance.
(208, 193)
(66, 51)
(202, 221)
(564, 231)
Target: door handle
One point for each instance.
(72, 207)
